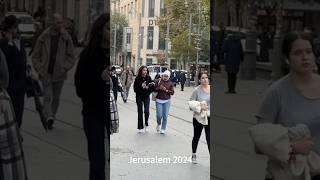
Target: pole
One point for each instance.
(139, 62)
(167, 41)
(198, 43)
(189, 44)
(114, 43)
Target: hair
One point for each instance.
(9, 22)
(290, 38)
(96, 35)
(140, 71)
(202, 73)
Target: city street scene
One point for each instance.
(264, 97)
(160, 77)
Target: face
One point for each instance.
(301, 57)
(204, 79)
(58, 23)
(144, 71)
(165, 77)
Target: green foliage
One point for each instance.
(120, 21)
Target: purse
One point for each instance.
(154, 93)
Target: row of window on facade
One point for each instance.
(128, 9)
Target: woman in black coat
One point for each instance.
(233, 57)
(143, 86)
(91, 80)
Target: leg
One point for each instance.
(115, 94)
(18, 106)
(197, 128)
(47, 98)
(140, 112)
(56, 93)
(182, 86)
(95, 133)
(166, 107)
(232, 81)
(159, 112)
(207, 131)
(146, 110)
(127, 89)
(229, 82)
(235, 81)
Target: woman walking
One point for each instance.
(165, 89)
(289, 104)
(143, 87)
(200, 105)
(91, 77)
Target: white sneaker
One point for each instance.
(162, 131)
(140, 130)
(146, 128)
(158, 128)
(194, 158)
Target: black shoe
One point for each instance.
(50, 123)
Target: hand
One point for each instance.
(303, 146)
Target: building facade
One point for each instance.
(142, 39)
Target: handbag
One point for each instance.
(154, 93)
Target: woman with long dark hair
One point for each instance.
(200, 105)
(143, 87)
(91, 86)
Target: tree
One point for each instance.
(118, 22)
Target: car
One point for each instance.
(157, 69)
(118, 69)
(26, 26)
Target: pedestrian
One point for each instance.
(115, 81)
(91, 81)
(173, 78)
(165, 89)
(12, 162)
(53, 56)
(127, 80)
(183, 79)
(291, 101)
(233, 57)
(200, 105)
(15, 55)
(143, 86)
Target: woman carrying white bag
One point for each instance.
(200, 105)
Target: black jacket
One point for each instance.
(137, 87)
(17, 64)
(90, 87)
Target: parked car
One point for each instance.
(26, 26)
(157, 69)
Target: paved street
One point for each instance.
(174, 144)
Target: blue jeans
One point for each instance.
(162, 113)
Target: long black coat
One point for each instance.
(233, 54)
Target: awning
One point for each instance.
(308, 5)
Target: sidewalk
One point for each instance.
(234, 156)
(176, 143)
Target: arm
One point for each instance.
(36, 55)
(71, 58)
(4, 81)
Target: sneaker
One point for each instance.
(50, 123)
(162, 131)
(158, 128)
(140, 130)
(194, 158)
(146, 128)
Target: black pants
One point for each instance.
(317, 177)
(182, 86)
(115, 94)
(94, 128)
(197, 128)
(18, 105)
(143, 102)
(232, 80)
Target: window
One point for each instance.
(128, 38)
(141, 37)
(162, 42)
(142, 7)
(150, 38)
(151, 8)
(149, 62)
(162, 9)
